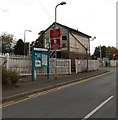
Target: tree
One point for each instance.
(105, 51)
(39, 41)
(97, 51)
(112, 50)
(7, 40)
(19, 47)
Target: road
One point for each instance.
(93, 98)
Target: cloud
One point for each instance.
(3, 10)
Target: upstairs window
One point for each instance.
(47, 41)
(64, 37)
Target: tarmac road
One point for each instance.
(93, 98)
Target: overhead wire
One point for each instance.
(45, 10)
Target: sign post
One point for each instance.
(40, 59)
(55, 44)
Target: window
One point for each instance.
(64, 37)
(47, 40)
(63, 45)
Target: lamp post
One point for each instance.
(25, 37)
(62, 3)
(100, 53)
(91, 39)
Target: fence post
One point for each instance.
(76, 66)
(35, 74)
(70, 67)
(7, 61)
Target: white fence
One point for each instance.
(23, 65)
(81, 65)
(113, 62)
(63, 66)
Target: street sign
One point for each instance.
(55, 39)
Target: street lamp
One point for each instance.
(62, 3)
(91, 39)
(25, 37)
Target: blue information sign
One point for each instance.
(40, 59)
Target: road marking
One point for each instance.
(54, 89)
(97, 108)
(10, 102)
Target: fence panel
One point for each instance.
(113, 62)
(81, 65)
(23, 65)
(63, 66)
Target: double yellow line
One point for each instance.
(51, 90)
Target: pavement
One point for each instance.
(28, 87)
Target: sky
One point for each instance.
(92, 17)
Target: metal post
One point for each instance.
(87, 59)
(55, 72)
(62, 3)
(24, 38)
(24, 42)
(33, 64)
(55, 16)
(29, 48)
(7, 59)
(100, 53)
(48, 62)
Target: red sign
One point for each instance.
(113, 54)
(55, 39)
(55, 44)
(54, 33)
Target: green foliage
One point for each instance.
(106, 51)
(9, 77)
(19, 47)
(39, 41)
(7, 40)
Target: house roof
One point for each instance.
(70, 29)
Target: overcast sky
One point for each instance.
(93, 17)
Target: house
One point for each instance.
(74, 44)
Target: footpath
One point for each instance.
(28, 87)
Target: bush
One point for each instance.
(9, 77)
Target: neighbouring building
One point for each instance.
(74, 44)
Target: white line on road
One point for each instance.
(97, 108)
